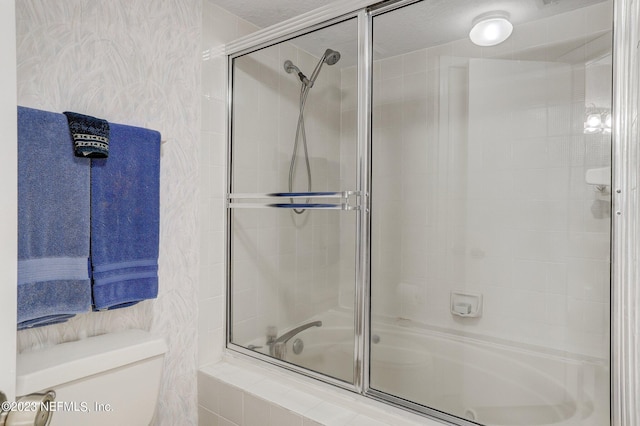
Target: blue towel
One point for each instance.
(125, 218)
(53, 222)
(90, 135)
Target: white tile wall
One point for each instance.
(272, 398)
(491, 192)
(219, 27)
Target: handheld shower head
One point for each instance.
(331, 56)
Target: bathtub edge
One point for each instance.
(234, 388)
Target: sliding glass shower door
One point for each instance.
(293, 201)
(491, 210)
(419, 207)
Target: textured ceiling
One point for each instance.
(264, 13)
(429, 23)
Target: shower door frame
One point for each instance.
(295, 28)
(625, 233)
(625, 223)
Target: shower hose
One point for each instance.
(300, 135)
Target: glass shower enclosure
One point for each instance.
(419, 207)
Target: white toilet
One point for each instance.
(111, 379)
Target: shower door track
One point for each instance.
(625, 232)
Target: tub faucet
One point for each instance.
(278, 345)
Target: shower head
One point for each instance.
(331, 56)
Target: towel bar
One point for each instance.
(349, 200)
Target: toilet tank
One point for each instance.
(111, 379)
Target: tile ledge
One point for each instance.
(307, 397)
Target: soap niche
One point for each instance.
(467, 305)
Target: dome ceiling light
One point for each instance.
(491, 28)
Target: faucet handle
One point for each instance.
(272, 334)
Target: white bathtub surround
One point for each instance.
(242, 392)
(471, 376)
(248, 392)
(138, 63)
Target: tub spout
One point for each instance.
(278, 345)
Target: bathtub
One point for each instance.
(486, 382)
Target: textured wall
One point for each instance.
(132, 62)
(9, 205)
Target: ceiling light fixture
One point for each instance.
(490, 29)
